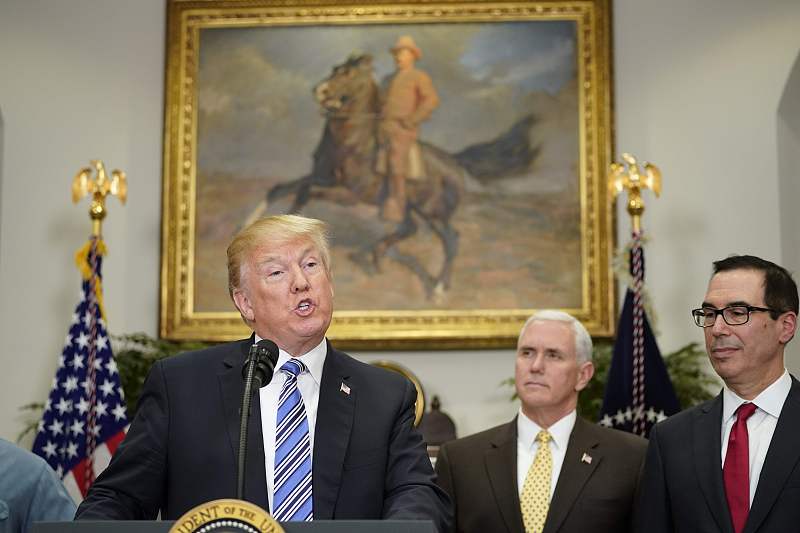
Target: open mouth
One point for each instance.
(304, 307)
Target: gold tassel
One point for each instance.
(82, 261)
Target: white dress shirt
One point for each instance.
(308, 385)
(760, 426)
(527, 446)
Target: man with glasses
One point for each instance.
(732, 464)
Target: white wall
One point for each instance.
(80, 80)
(697, 92)
(789, 168)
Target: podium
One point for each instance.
(321, 526)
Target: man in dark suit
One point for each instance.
(346, 449)
(548, 470)
(732, 464)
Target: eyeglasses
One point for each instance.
(733, 315)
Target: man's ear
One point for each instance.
(242, 303)
(585, 373)
(788, 324)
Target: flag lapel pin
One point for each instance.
(345, 388)
(586, 458)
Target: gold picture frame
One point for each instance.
(525, 119)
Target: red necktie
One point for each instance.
(736, 471)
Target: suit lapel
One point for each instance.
(707, 451)
(332, 433)
(501, 467)
(231, 389)
(575, 472)
(783, 454)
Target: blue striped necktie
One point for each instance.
(292, 489)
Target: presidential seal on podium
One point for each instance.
(226, 516)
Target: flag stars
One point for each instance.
(111, 366)
(75, 316)
(107, 387)
(49, 449)
(72, 450)
(96, 430)
(82, 406)
(70, 384)
(102, 343)
(76, 428)
(56, 428)
(61, 360)
(101, 409)
(63, 406)
(621, 417)
(77, 361)
(97, 363)
(119, 412)
(87, 319)
(82, 340)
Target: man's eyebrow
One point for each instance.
(728, 304)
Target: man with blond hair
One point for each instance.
(357, 453)
(548, 470)
(408, 99)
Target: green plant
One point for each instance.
(685, 367)
(135, 353)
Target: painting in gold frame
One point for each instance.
(516, 220)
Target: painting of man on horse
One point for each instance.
(469, 180)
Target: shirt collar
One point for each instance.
(770, 400)
(314, 359)
(527, 430)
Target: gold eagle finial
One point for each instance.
(627, 176)
(99, 187)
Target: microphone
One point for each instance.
(262, 357)
(258, 369)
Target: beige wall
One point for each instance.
(698, 86)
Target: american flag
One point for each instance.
(638, 393)
(84, 418)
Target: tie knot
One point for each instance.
(745, 411)
(543, 437)
(293, 367)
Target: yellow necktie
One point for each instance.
(535, 499)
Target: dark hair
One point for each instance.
(780, 290)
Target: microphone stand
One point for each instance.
(258, 369)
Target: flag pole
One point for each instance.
(99, 187)
(85, 416)
(626, 176)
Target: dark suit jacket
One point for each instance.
(369, 462)
(682, 486)
(480, 475)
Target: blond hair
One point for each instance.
(275, 231)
